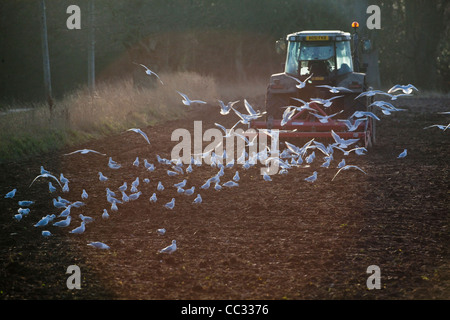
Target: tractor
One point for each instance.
(316, 63)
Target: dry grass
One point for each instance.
(80, 116)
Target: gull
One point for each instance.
(189, 168)
(325, 102)
(23, 211)
(170, 204)
(250, 109)
(170, 249)
(105, 214)
(346, 168)
(43, 171)
(51, 188)
(59, 204)
(301, 84)
(84, 151)
(266, 177)
(335, 89)
(112, 164)
(25, 203)
(66, 202)
(225, 109)
(230, 184)
(217, 186)
(85, 219)
(136, 162)
(133, 189)
(352, 126)
(228, 132)
(78, 204)
(63, 179)
(66, 187)
(46, 233)
(326, 164)
(160, 186)
(123, 187)
(135, 183)
(305, 106)
(341, 164)
(406, 89)
(371, 93)
(161, 231)
(236, 176)
(287, 115)
(125, 198)
(180, 190)
(142, 133)
(444, 112)
(198, 199)
(79, 229)
(312, 178)
(63, 223)
(46, 175)
(98, 245)
(311, 157)
(246, 118)
(187, 101)
(321, 147)
(114, 206)
(189, 191)
(146, 180)
(342, 142)
(153, 198)
(359, 114)
(43, 222)
(18, 217)
(324, 119)
(359, 151)
(206, 185)
(171, 173)
(383, 105)
(148, 71)
(403, 154)
(110, 193)
(65, 212)
(442, 127)
(247, 141)
(11, 194)
(101, 177)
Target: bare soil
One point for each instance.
(279, 239)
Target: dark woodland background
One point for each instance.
(230, 39)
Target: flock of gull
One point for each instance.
(292, 156)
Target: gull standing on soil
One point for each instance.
(25, 203)
(46, 233)
(408, 89)
(43, 171)
(23, 211)
(230, 184)
(113, 165)
(160, 186)
(101, 177)
(51, 188)
(79, 229)
(403, 154)
(346, 168)
(198, 199)
(136, 162)
(170, 249)
(236, 176)
(266, 177)
(312, 178)
(105, 214)
(84, 151)
(187, 101)
(63, 223)
(84, 194)
(171, 204)
(142, 133)
(153, 198)
(148, 71)
(98, 245)
(65, 187)
(11, 194)
(63, 179)
(341, 164)
(161, 231)
(85, 218)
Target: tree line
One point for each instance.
(229, 39)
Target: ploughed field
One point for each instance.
(280, 239)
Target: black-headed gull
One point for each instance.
(170, 249)
(84, 151)
(142, 133)
(187, 101)
(346, 167)
(149, 72)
